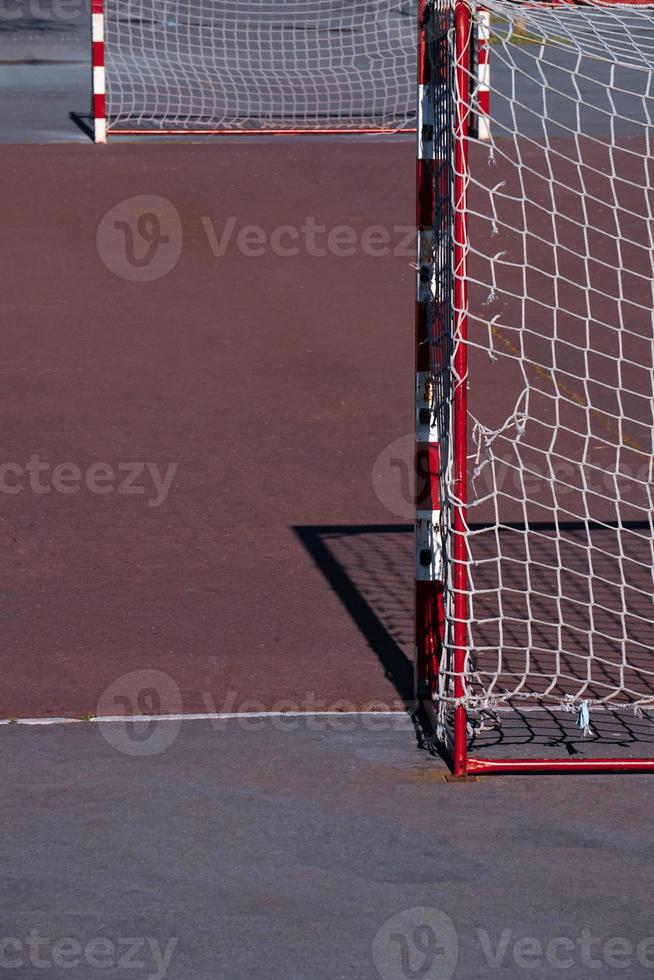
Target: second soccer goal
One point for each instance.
(220, 66)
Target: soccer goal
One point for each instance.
(262, 66)
(535, 388)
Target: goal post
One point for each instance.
(534, 559)
(202, 67)
(207, 67)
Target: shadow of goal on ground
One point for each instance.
(370, 568)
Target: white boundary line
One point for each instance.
(209, 716)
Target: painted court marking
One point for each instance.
(208, 716)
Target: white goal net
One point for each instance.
(559, 530)
(221, 65)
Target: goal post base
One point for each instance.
(260, 132)
(506, 767)
(476, 766)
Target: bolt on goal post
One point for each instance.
(534, 593)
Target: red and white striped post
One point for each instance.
(482, 122)
(441, 354)
(97, 62)
(429, 614)
(479, 76)
(462, 33)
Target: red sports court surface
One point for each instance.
(252, 392)
(272, 381)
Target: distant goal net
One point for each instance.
(210, 66)
(535, 389)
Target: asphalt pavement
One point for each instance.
(45, 71)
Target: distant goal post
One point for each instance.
(203, 67)
(208, 67)
(534, 544)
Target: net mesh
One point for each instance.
(560, 351)
(231, 65)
